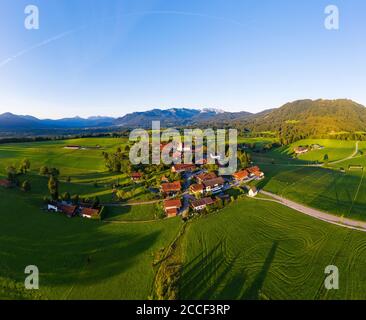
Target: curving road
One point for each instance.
(320, 215)
(348, 158)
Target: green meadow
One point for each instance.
(335, 149)
(332, 188)
(144, 212)
(250, 250)
(77, 258)
(262, 250)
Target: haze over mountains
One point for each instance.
(302, 117)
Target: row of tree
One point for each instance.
(13, 174)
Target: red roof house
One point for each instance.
(135, 176)
(201, 204)
(5, 183)
(206, 176)
(70, 211)
(171, 187)
(171, 207)
(179, 168)
(89, 212)
(241, 175)
(197, 188)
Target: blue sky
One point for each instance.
(123, 56)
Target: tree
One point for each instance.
(44, 171)
(25, 165)
(12, 173)
(53, 187)
(26, 186)
(120, 194)
(54, 172)
(66, 196)
(75, 199)
(326, 159)
(96, 202)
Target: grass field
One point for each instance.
(329, 190)
(249, 250)
(132, 213)
(77, 258)
(326, 188)
(261, 250)
(53, 154)
(335, 149)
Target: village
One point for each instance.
(190, 189)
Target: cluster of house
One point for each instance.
(83, 210)
(248, 174)
(305, 149)
(172, 206)
(205, 183)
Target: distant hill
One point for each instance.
(311, 118)
(178, 117)
(12, 122)
(293, 121)
(168, 118)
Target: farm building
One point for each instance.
(196, 188)
(66, 209)
(201, 204)
(214, 185)
(6, 183)
(241, 175)
(89, 213)
(252, 192)
(301, 150)
(72, 147)
(171, 188)
(136, 176)
(355, 167)
(255, 172)
(164, 179)
(171, 207)
(201, 162)
(179, 168)
(205, 176)
(316, 147)
(52, 207)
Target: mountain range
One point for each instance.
(169, 117)
(302, 117)
(9, 121)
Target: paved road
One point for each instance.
(330, 218)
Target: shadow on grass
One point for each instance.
(211, 276)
